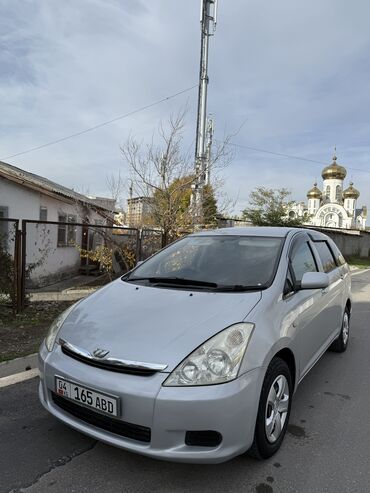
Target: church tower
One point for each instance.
(333, 206)
(314, 199)
(333, 176)
(350, 196)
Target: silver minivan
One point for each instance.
(195, 354)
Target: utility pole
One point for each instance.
(210, 132)
(208, 22)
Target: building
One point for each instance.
(120, 218)
(139, 211)
(334, 206)
(52, 250)
(105, 202)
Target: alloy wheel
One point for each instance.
(277, 407)
(345, 328)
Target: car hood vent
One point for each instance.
(110, 364)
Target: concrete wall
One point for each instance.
(48, 262)
(351, 243)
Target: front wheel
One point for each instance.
(273, 410)
(341, 342)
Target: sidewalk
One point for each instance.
(68, 290)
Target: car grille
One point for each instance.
(104, 365)
(116, 426)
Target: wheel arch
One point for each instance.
(287, 355)
(349, 305)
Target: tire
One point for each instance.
(270, 428)
(341, 342)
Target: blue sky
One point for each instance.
(297, 74)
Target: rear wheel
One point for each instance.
(273, 410)
(341, 342)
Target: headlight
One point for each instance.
(216, 361)
(55, 327)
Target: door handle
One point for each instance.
(324, 290)
(342, 276)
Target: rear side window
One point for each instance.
(325, 255)
(302, 261)
(337, 254)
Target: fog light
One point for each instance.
(203, 438)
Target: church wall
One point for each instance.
(332, 183)
(313, 206)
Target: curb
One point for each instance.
(358, 271)
(73, 295)
(18, 377)
(18, 365)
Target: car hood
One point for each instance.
(152, 325)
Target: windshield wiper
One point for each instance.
(174, 280)
(240, 288)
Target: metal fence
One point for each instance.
(9, 262)
(43, 259)
(68, 256)
(151, 241)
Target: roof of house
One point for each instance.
(42, 184)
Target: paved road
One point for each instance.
(327, 448)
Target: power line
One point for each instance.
(289, 156)
(99, 125)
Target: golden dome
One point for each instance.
(351, 192)
(314, 193)
(334, 170)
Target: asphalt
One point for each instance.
(327, 447)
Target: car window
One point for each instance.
(337, 254)
(289, 284)
(325, 255)
(222, 259)
(302, 260)
(181, 259)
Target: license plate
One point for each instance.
(104, 403)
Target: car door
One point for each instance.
(303, 308)
(333, 294)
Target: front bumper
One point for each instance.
(230, 409)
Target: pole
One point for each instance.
(210, 131)
(23, 265)
(208, 24)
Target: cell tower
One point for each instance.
(210, 132)
(208, 22)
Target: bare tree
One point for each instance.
(116, 185)
(164, 173)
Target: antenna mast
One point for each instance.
(210, 132)
(208, 20)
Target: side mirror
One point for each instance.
(314, 280)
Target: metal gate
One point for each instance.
(60, 256)
(53, 256)
(151, 242)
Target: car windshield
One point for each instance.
(213, 262)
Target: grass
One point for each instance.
(22, 333)
(359, 262)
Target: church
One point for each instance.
(333, 206)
